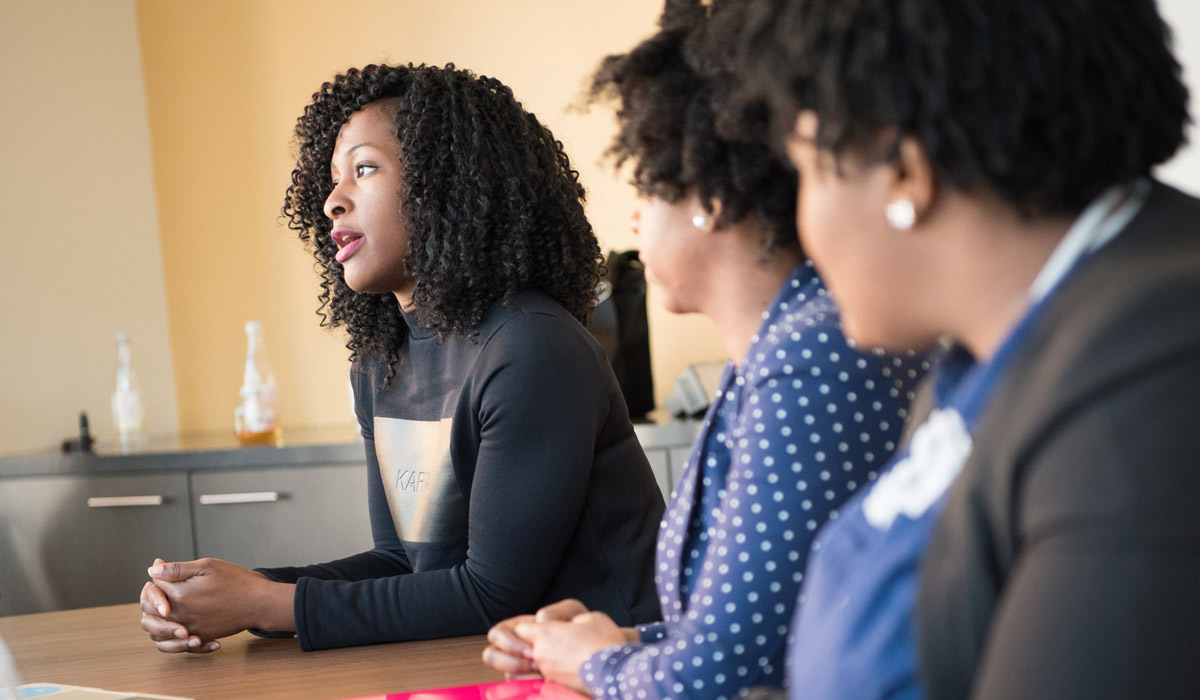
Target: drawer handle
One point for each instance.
(221, 499)
(124, 501)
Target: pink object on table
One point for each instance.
(530, 689)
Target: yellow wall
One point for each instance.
(81, 240)
(225, 81)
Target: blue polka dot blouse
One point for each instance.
(790, 435)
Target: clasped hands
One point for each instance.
(188, 606)
(555, 642)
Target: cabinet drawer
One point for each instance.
(79, 541)
(679, 458)
(289, 516)
(661, 466)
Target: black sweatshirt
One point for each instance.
(503, 475)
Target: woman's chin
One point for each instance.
(355, 285)
(668, 301)
(363, 284)
(866, 338)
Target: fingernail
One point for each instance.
(214, 646)
(162, 610)
(180, 633)
(193, 642)
(154, 570)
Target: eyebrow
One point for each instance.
(355, 147)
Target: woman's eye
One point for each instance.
(362, 169)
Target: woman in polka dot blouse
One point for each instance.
(801, 420)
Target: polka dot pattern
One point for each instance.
(790, 435)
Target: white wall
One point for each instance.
(82, 257)
(1184, 17)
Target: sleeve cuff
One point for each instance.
(600, 672)
(268, 634)
(275, 575)
(272, 635)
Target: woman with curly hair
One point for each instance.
(978, 173)
(800, 421)
(503, 470)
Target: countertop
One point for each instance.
(300, 446)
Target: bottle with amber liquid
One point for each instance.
(256, 420)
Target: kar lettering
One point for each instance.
(411, 480)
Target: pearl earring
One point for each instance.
(901, 214)
(700, 221)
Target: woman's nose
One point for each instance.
(336, 204)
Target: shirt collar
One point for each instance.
(1098, 224)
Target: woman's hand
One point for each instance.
(507, 652)
(512, 654)
(560, 648)
(209, 599)
(169, 637)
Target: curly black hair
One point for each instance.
(492, 204)
(678, 124)
(1046, 103)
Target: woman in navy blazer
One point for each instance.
(977, 173)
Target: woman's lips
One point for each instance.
(347, 242)
(347, 250)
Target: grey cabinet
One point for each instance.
(80, 530)
(287, 516)
(667, 446)
(74, 541)
(667, 463)
(78, 541)
(679, 457)
(661, 466)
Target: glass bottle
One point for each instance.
(127, 408)
(256, 420)
(9, 679)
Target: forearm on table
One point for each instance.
(274, 605)
(376, 563)
(424, 605)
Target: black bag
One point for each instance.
(622, 328)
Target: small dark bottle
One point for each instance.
(84, 442)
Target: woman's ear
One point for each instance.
(707, 220)
(912, 192)
(715, 211)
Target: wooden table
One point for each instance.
(105, 648)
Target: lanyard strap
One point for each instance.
(1099, 223)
